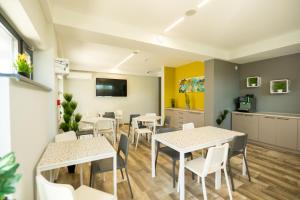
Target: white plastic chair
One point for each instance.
(103, 127)
(139, 131)
(53, 191)
(215, 160)
(188, 126)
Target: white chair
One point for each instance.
(215, 160)
(53, 191)
(139, 131)
(188, 126)
(103, 127)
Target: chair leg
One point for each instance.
(227, 183)
(91, 177)
(128, 182)
(204, 188)
(173, 172)
(230, 174)
(137, 141)
(122, 173)
(246, 163)
(157, 151)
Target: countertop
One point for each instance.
(186, 110)
(286, 115)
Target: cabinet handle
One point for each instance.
(269, 117)
(282, 118)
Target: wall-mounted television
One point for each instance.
(111, 87)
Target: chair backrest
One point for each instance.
(239, 143)
(150, 114)
(119, 112)
(131, 117)
(216, 159)
(104, 124)
(109, 115)
(66, 136)
(167, 121)
(165, 130)
(123, 146)
(188, 126)
(53, 191)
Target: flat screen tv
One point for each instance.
(111, 87)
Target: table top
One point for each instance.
(67, 153)
(147, 118)
(195, 139)
(95, 119)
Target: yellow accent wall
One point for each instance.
(172, 79)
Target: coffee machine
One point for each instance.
(246, 103)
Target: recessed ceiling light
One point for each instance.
(190, 12)
(171, 26)
(127, 58)
(202, 3)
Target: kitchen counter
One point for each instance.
(186, 110)
(273, 114)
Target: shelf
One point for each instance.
(279, 86)
(23, 79)
(253, 82)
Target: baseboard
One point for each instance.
(273, 147)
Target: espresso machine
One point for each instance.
(246, 103)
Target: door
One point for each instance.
(246, 123)
(286, 130)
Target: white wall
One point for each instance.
(142, 95)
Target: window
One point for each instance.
(8, 50)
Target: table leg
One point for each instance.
(115, 174)
(153, 156)
(81, 175)
(51, 175)
(181, 176)
(244, 164)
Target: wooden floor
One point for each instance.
(275, 176)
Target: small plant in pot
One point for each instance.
(222, 117)
(8, 176)
(279, 87)
(23, 65)
(71, 120)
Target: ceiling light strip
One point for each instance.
(202, 3)
(171, 26)
(126, 59)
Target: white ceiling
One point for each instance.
(97, 34)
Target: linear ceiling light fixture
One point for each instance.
(202, 3)
(127, 58)
(171, 26)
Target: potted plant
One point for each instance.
(8, 176)
(23, 65)
(71, 120)
(279, 87)
(222, 117)
(253, 81)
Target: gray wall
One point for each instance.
(285, 67)
(222, 86)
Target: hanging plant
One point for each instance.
(222, 117)
(23, 65)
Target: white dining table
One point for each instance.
(93, 121)
(189, 141)
(63, 154)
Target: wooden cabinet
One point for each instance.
(298, 147)
(287, 133)
(181, 116)
(246, 123)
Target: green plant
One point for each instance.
(279, 86)
(71, 119)
(22, 65)
(222, 117)
(253, 80)
(187, 100)
(8, 176)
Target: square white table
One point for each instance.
(189, 141)
(149, 118)
(62, 154)
(93, 120)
